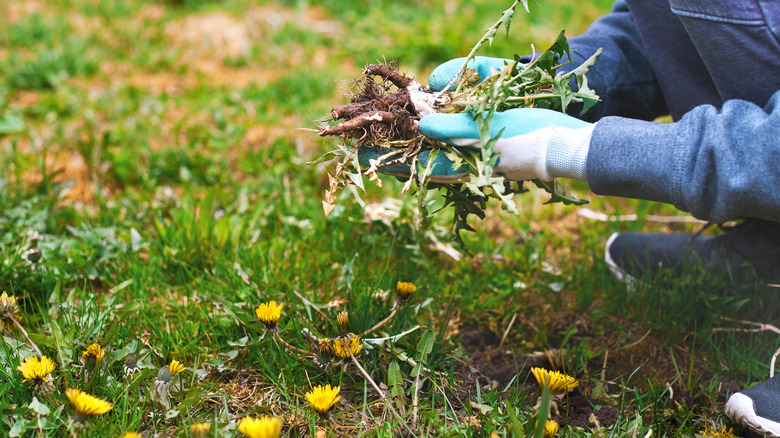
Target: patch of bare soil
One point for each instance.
(619, 366)
(68, 167)
(206, 40)
(215, 34)
(13, 11)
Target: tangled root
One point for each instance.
(380, 110)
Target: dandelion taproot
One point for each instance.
(550, 428)
(322, 398)
(269, 313)
(558, 381)
(86, 405)
(344, 344)
(263, 427)
(405, 289)
(36, 370)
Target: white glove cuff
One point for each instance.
(567, 153)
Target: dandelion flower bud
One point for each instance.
(9, 311)
(200, 430)
(131, 365)
(343, 322)
(404, 289)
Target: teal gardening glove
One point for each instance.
(535, 143)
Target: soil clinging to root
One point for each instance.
(380, 108)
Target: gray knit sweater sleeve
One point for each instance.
(716, 164)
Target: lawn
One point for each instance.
(161, 208)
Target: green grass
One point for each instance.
(164, 182)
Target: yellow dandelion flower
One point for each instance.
(200, 430)
(344, 344)
(558, 381)
(36, 369)
(269, 313)
(342, 321)
(93, 356)
(405, 289)
(85, 404)
(175, 367)
(8, 310)
(94, 350)
(550, 428)
(322, 398)
(132, 435)
(722, 433)
(263, 427)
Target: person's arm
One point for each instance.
(717, 165)
(622, 76)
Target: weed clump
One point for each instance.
(385, 107)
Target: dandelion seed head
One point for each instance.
(35, 369)
(263, 427)
(269, 313)
(322, 398)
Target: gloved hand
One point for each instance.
(484, 65)
(443, 169)
(535, 144)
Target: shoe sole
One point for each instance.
(630, 281)
(740, 409)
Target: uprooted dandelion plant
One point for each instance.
(385, 108)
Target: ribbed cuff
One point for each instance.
(567, 152)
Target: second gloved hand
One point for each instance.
(483, 65)
(534, 144)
